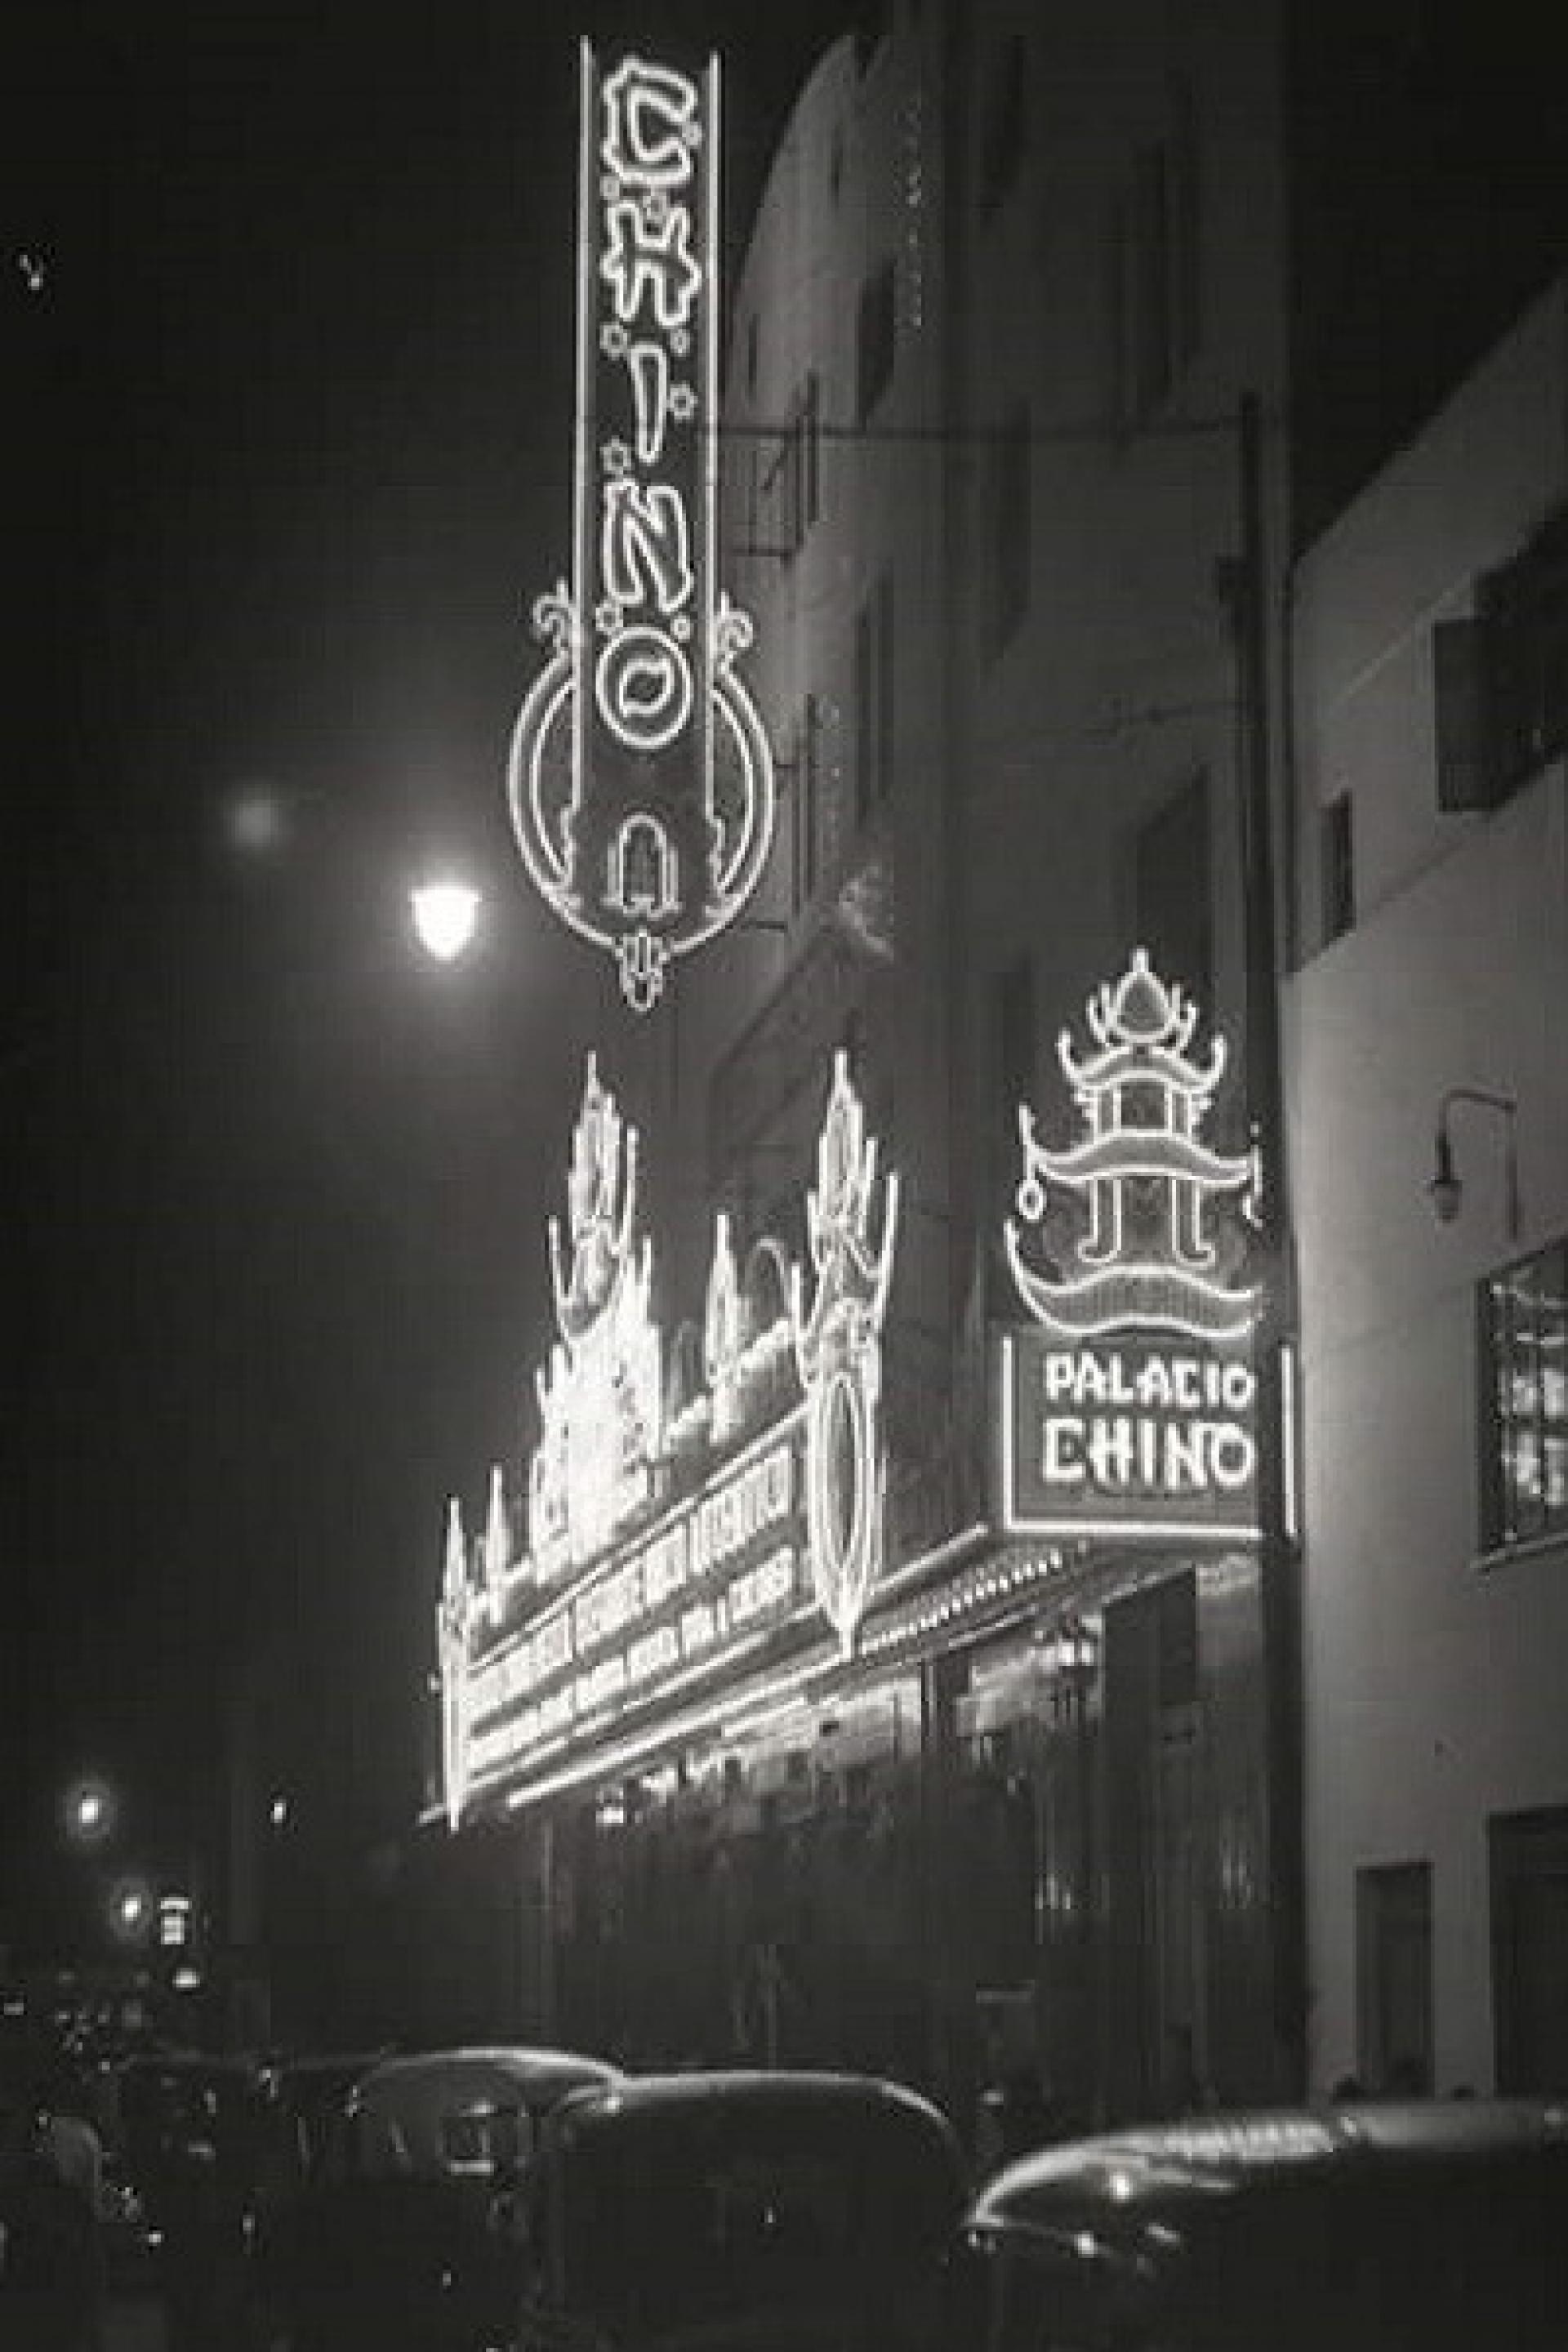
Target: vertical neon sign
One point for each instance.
(640, 779)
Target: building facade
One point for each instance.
(1001, 1772)
(1014, 289)
(1423, 1044)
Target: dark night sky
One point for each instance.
(286, 450)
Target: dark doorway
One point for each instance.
(1529, 1856)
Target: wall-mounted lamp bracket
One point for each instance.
(1446, 1189)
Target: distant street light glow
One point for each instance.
(255, 822)
(446, 915)
(89, 1811)
(130, 1910)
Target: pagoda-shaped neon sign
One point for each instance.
(1149, 1182)
(1127, 1405)
(640, 779)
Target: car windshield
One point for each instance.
(708, 2214)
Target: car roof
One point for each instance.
(747, 2090)
(500, 2075)
(1133, 2172)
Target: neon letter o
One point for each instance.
(643, 688)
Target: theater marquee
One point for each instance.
(1127, 1406)
(693, 1518)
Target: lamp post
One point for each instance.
(1070, 1654)
(1445, 1191)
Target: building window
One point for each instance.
(1010, 489)
(1523, 1386)
(1338, 867)
(874, 341)
(874, 699)
(1524, 612)
(787, 490)
(1173, 888)
(807, 440)
(1154, 274)
(1501, 680)
(1003, 128)
(1393, 1977)
(753, 353)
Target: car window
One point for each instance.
(482, 2140)
(706, 2210)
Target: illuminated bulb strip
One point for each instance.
(608, 1761)
(1290, 1500)
(1000, 1582)
(583, 1729)
(1185, 1532)
(931, 1563)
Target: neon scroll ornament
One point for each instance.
(640, 779)
(1146, 1178)
(838, 1349)
(454, 1622)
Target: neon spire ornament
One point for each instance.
(838, 1349)
(600, 1403)
(1145, 1175)
(640, 779)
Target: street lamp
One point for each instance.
(130, 1910)
(88, 1809)
(446, 917)
(1446, 1190)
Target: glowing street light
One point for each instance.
(446, 916)
(130, 1910)
(89, 1811)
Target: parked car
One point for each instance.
(802, 2213)
(1424, 2226)
(187, 2168)
(304, 2096)
(50, 2278)
(400, 2240)
(187, 2137)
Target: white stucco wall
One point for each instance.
(1433, 1690)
